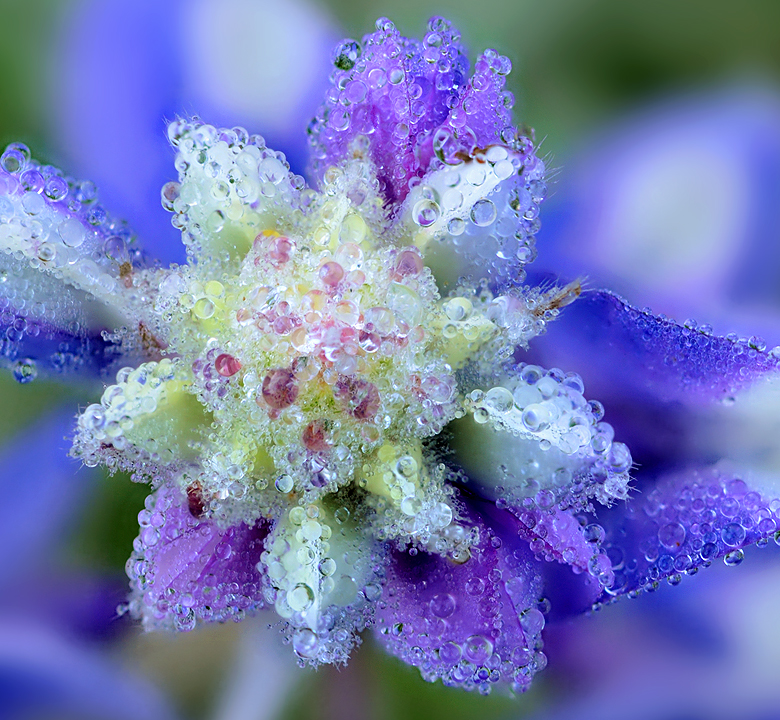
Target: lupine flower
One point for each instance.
(332, 400)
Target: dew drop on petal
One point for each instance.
(442, 605)
(280, 389)
(227, 365)
(25, 371)
(72, 232)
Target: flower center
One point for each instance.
(319, 350)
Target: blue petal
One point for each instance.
(675, 207)
(682, 524)
(622, 351)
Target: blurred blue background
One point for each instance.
(662, 121)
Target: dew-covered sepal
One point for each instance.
(616, 345)
(325, 575)
(681, 525)
(67, 271)
(185, 570)
(533, 439)
(231, 187)
(471, 624)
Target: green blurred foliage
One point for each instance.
(380, 685)
(104, 534)
(29, 34)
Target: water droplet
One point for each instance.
(227, 365)
(735, 557)
(25, 371)
(442, 605)
(450, 653)
(346, 55)
(733, 534)
(284, 483)
(72, 232)
(280, 389)
(483, 213)
(301, 597)
(425, 212)
(478, 649)
(305, 643)
(672, 535)
(499, 399)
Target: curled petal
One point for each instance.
(442, 146)
(231, 187)
(186, 570)
(325, 579)
(66, 270)
(534, 441)
(681, 525)
(58, 225)
(148, 422)
(472, 624)
(477, 214)
(621, 350)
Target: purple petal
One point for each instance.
(484, 110)
(64, 270)
(473, 624)
(413, 103)
(386, 89)
(555, 535)
(683, 524)
(572, 565)
(76, 225)
(622, 351)
(184, 570)
(42, 489)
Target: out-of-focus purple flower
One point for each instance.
(44, 675)
(49, 617)
(675, 208)
(123, 70)
(287, 391)
(702, 650)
